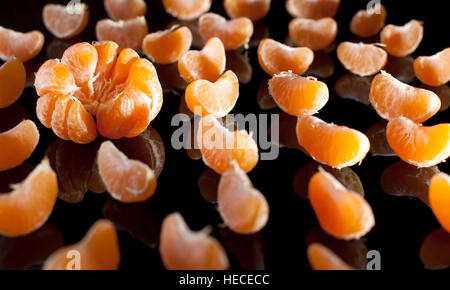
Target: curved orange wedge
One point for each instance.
(126, 33)
(433, 70)
(65, 21)
(402, 40)
(252, 9)
(440, 198)
(12, 82)
(125, 9)
(186, 9)
(23, 46)
(313, 9)
(361, 59)
(368, 23)
(315, 34)
(322, 258)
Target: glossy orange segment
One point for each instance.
(252, 9)
(402, 40)
(275, 57)
(28, 206)
(315, 34)
(12, 82)
(18, 144)
(216, 99)
(125, 9)
(440, 198)
(65, 21)
(330, 144)
(206, 64)
(167, 46)
(186, 9)
(342, 213)
(297, 95)
(233, 33)
(360, 58)
(367, 23)
(435, 250)
(419, 145)
(23, 46)
(182, 249)
(433, 70)
(122, 91)
(126, 33)
(322, 258)
(313, 9)
(98, 250)
(219, 146)
(391, 99)
(126, 180)
(243, 208)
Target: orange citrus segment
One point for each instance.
(54, 78)
(28, 206)
(275, 57)
(314, 9)
(368, 23)
(65, 21)
(12, 82)
(23, 46)
(233, 33)
(440, 198)
(402, 40)
(123, 65)
(419, 145)
(167, 46)
(342, 213)
(98, 250)
(297, 95)
(182, 249)
(322, 258)
(207, 64)
(216, 99)
(243, 208)
(126, 180)
(336, 146)
(361, 59)
(433, 70)
(315, 34)
(186, 9)
(126, 33)
(252, 9)
(392, 98)
(125, 9)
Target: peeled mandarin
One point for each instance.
(368, 23)
(186, 9)
(126, 33)
(23, 46)
(440, 198)
(12, 82)
(252, 9)
(433, 70)
(125, 9)
(314, 9)
(402, 40)
(315, 34)
(65, 21)
(360, 58)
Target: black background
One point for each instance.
(401, 223)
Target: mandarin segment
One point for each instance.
(391, 99)
(367, 23)
(314, 9)
(98, 250)
(125, 9)
(433, 70)
(233, 33)
(315, 34)
(182, 249)
(297, 95)
(186, 9)
(342, 213)
(440, 198)
(330, 144)
(12, 82)
(360, 58)
(252, 9)
(402, 40)
(243, 208)
(322, 258)
(126, 33)
(23, 46)
(275, 57)
(65, 21)
(28, 206)
(419, 145)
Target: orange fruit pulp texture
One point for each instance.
(435, 250)
(367, 23)
(440, 198)
(65, 21)
(126, 33)
(335, 146)
(315, 34)
(17, 144)
(422, 146)
(252, 9)
(275, 57)
(219, 146)
(182, 249)
(123, 92)
(98, 250)
(167, 46)
(207, 64)
(433, 70)
(297, 95)
(23, 46)
(314, 9)
(186, 9)
(126, 180)
(402, 40)
(233, 33)
(243, 208)
(391, 99)
(125, 9)
(360, 58)
(342, 213)
(28, 206)
(12, 82)
(216, 99)
(322, 258)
